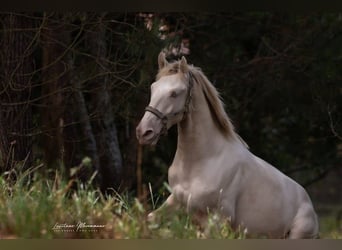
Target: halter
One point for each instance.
(164, 118)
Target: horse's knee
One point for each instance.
(305, 225)
(151, 217)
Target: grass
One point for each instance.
(50, 208)
(331, 224)
(42, 208)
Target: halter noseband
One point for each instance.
(164, 118)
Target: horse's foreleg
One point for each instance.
(165, 209)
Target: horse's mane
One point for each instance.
(212, 96)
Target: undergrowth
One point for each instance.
(33, 206)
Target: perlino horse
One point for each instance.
(213, 168)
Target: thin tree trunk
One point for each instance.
(15, 91)
(103, 124)
(56, 79)
(84, 139)
(131, 147)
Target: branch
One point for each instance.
(318, 177)
(270, 47)
(297, 169)
(332, 127)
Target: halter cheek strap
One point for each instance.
(161, 116)
(164, 118)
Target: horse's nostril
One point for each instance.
(148, 133)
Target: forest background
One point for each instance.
(74, 85)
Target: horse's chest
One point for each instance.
(194, 193)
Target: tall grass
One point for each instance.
(34, 206)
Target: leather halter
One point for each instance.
(164, 118)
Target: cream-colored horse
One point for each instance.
(213, 168)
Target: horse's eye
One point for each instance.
(173, 94)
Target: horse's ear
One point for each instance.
(162, 60)
(183, 65)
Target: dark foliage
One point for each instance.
(84, 82)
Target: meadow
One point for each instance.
(34, 206)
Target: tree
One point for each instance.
(56, 66)
(18, 44)
(101, 109)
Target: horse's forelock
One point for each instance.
(170, 69)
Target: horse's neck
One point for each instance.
(198, 135)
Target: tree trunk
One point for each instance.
(103, 124)
(131, 147)
(56, 80)
(15, 91)
(80, 137)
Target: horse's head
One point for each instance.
(170, 97)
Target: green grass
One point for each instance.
(31, 209)
(330, 225)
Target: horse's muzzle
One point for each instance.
(146, 136)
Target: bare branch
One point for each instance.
(332, 126)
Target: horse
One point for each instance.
(213, 168)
